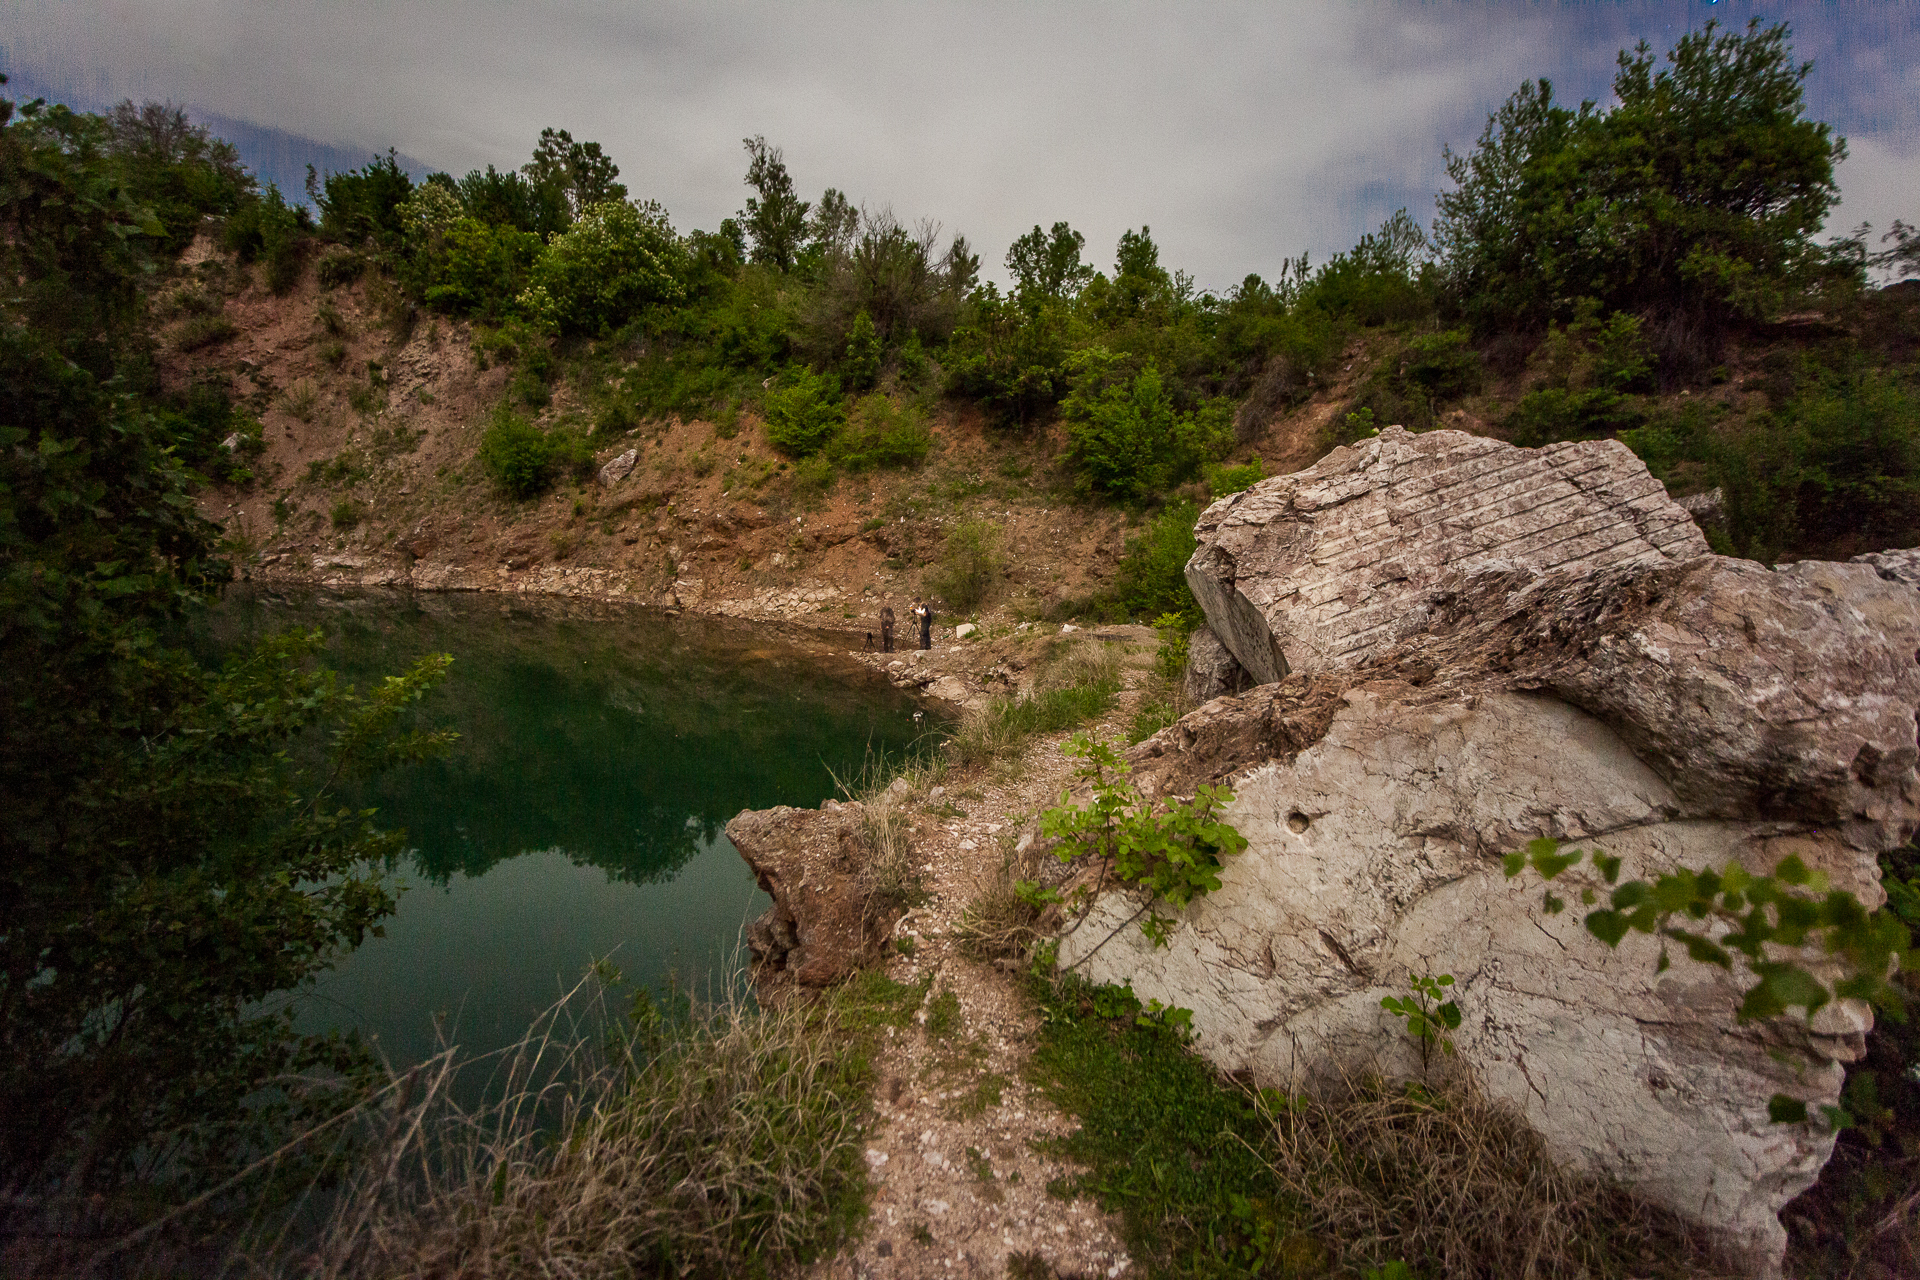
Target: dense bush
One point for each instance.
(881, 434)
(362, 205)
(617, 259)
(969, 566)
(268, 230)
(524, 461)
(1125, 438)
(804, 414)
(1152, 580)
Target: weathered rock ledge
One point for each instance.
(1462, 646)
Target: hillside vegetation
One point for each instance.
(198, 375)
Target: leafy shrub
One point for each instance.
(522, 460)
(268, 230)
(1223, 480)
(479, 268)
(1443, 365)
(363, 204)
(970, 564)
(1152, 579)
(881, 433)
(1012, 363)
(616, 260)
(346, 514)
(803, 414)
(862, 364)
(198, 332)
(1124, 436)
(1172, 847)
(338, 267)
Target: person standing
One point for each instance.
(925, 615)
(886, 628)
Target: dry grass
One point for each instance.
(302, 399)
(1077, 686)
(724, 1142)
(996, 923)
(1463, 1188)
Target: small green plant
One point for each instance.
(1174, 848)
(331, 322)
(1431, 1018)
(346, 514)
(803, 415)
(970, 564)
(333, 353)
(203, 331)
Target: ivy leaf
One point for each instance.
(1608, 864)
(1514, 863)
(1608, 926)
(1548, 861)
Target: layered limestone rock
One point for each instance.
(1470, 645)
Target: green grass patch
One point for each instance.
(1164, 1145)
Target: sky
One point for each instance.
(1243, 134)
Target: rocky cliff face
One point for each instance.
(1462, 645)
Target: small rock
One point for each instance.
(1067, 627)
(964, 630)
(232, 443)
(618, 469)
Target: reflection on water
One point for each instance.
(602, 751)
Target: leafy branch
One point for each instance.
(1174, 849)
(1716, 916)
(1431, 1018)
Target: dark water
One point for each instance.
(602, 751)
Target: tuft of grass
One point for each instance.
(1463, 1187)
(1077, 688)
(713, 1140)
(346, 514)
(302, 399)
(201, 331)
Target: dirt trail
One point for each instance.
(960, 1188)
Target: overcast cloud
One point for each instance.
(1244, 134)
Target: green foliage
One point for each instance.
(881, 433)
(1697, 194)
(175, 168)
(1742, 915)
(478, 268)
(862, 364)
(268, 230)
(616, 260)
(1179, 1158)
(1007, 723)
(1378, 281)
(579, 174)
(1586, 369)
(1443, 365)
(803, 414)
(1046, 266)
(1012, 362)
(775, 219)
(1152, 580)
(970, 565)
(1430, 1017)
(524, 461)
(1174, 849)
(362, 205)
(1223, 479)
(1124, 437)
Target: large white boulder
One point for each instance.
(1546, 650)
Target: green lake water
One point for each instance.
(602, 750)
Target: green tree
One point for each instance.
(580, 172)
(170, 856)
(1124, 436)
(1046, 265)
(775, 218)
(1698, 194)
(614, 261)
(362, 204)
